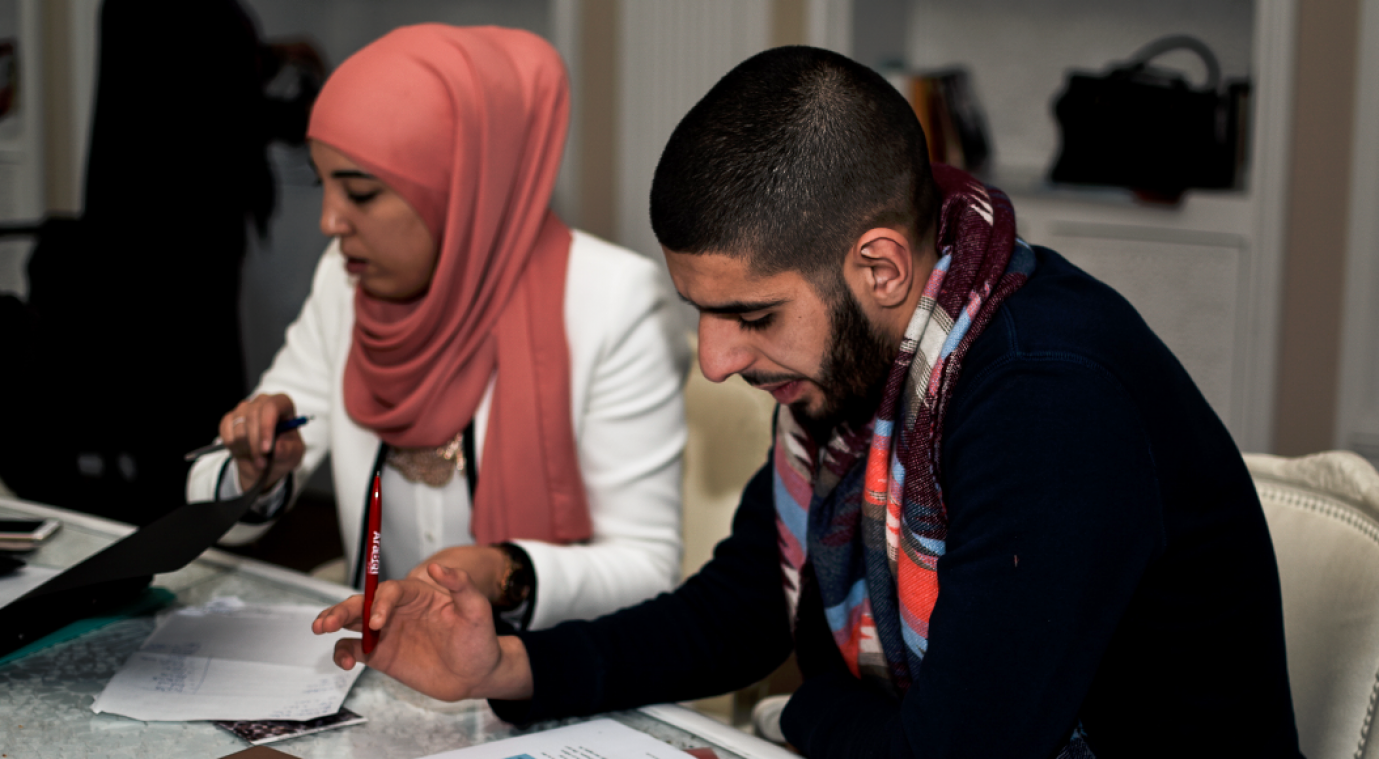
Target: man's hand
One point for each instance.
(436, 637)
(484, 565)
(247, 432)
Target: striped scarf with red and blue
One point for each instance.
(873, 534)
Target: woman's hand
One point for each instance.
(436, 637)
(247, 432)
(484, 566)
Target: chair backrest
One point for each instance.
(1323, 514)
(729, 435)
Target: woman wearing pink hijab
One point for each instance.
(515, 384)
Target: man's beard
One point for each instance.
(857, 362)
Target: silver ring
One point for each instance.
(237, 420)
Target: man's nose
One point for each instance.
(721, 351)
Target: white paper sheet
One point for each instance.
(25, 579)
(598, 739)
(229, 661)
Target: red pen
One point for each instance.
(371, 567)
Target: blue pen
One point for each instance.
(278, 429)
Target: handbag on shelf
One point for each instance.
(1148, 129)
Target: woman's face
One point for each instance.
(385, 242)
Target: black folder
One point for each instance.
(119, 573)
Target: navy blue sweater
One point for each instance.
(1107, 565)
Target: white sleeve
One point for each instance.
(303, 370)
(631, 435)
(267, 504)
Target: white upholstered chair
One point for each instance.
(1323, 514)
(729, 434)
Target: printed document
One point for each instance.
(230, 661)
(599, 739)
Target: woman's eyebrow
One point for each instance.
(341, 173)
(351, 174)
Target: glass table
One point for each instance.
(46, 696)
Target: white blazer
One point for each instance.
(628, 362)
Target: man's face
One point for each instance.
(824, 360)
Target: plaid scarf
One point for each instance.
(874, 533)
(879, 591)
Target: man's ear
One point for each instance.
(881, 267)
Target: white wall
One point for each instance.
(672, 53)
(1357, 418)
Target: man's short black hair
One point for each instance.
(788, 160)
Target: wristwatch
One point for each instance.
(515, 587)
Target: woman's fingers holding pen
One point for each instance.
(232, 429)
(287, 455)
(248, 432)
(248, 429)
(264, 412)
(238, 431)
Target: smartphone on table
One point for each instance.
(25, 534)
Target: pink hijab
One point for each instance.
(468, 125)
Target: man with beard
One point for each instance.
(998, 518)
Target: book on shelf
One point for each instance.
(952, 117)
